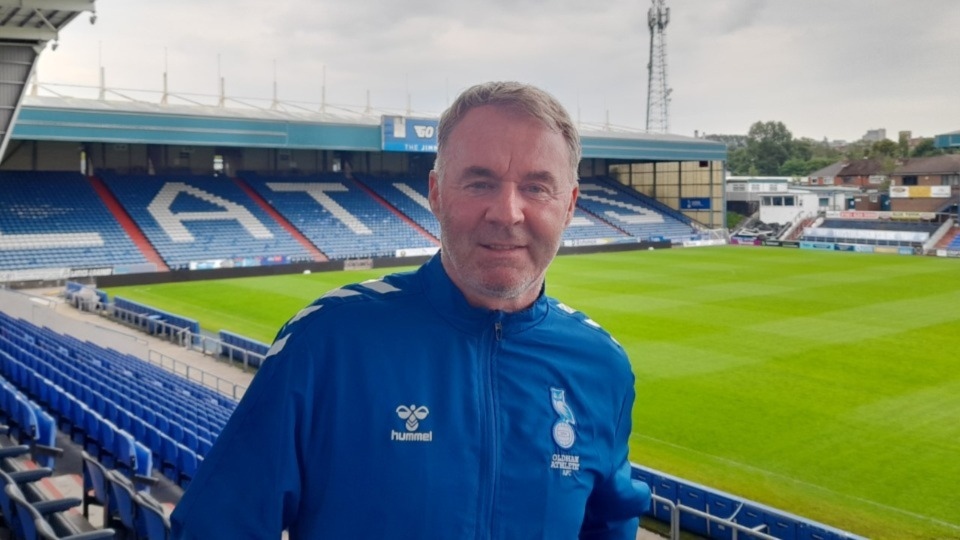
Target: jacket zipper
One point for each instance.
(492, 460)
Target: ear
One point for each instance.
(433, 195)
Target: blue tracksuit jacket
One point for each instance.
(394, 409)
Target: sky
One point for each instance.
(825, 68)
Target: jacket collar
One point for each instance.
(447, 299)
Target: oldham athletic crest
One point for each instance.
(563, 433)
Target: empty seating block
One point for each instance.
(126, 412)
(871, 232)
(204, 222)
(57, 220)
(409, 196)
(338, 216)
(629, 211)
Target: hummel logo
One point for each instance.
(412, 415)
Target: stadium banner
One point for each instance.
(742, 241)
(358, 264)
(239, 262)
(889, 250)
(867, 234)
(589, 242)
(826, 246)
(704, 243)
(833, 214)
(695, 203)
(948, 253)
(919, 192)
(790, 244)
(772, 243)
(52, 274)
(862, 248)
(929, 216)
(416, 252)
(850, 214)
(846, 247)
(402, 134)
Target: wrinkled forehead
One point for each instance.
(490, 133)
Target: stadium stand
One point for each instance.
(126, 413)
(633, 213)
(871, 232)
(408, 195)
(56, 220)
(586, 229)
(153, 320)
(201, 222)
(242, 349)
(338, 216)
(28, 464)
(954, 244)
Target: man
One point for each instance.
(457, 401)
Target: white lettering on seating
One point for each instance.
(640, 215)
(317, 190)
(173, 223)
(50, 241)
(413, 194)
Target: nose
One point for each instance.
(507, 207)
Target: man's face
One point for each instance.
(506, 195)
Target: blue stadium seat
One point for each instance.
(642, 217)
(96, 491)
(245, 235)
(153, 521)
(57, 220)
(348, 223)
(123, 494)
(31, 522)
(96, 393)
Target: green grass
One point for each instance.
(825, 384)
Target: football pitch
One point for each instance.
(825, 384)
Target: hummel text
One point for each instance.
(411, 436)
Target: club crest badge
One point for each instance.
(563, 433)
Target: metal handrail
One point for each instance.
(677, 509)
(181, 336)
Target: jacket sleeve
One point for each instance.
(249, 484)
(614, 508)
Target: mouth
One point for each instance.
(501, 247)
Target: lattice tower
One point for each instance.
(658, 93)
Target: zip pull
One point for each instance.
(498, 330)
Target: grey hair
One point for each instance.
(520, 97)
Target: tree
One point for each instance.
(884, 149)
(738, 162)
(795, 167)
(903, 144)
(926, 148)
(769, 145)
